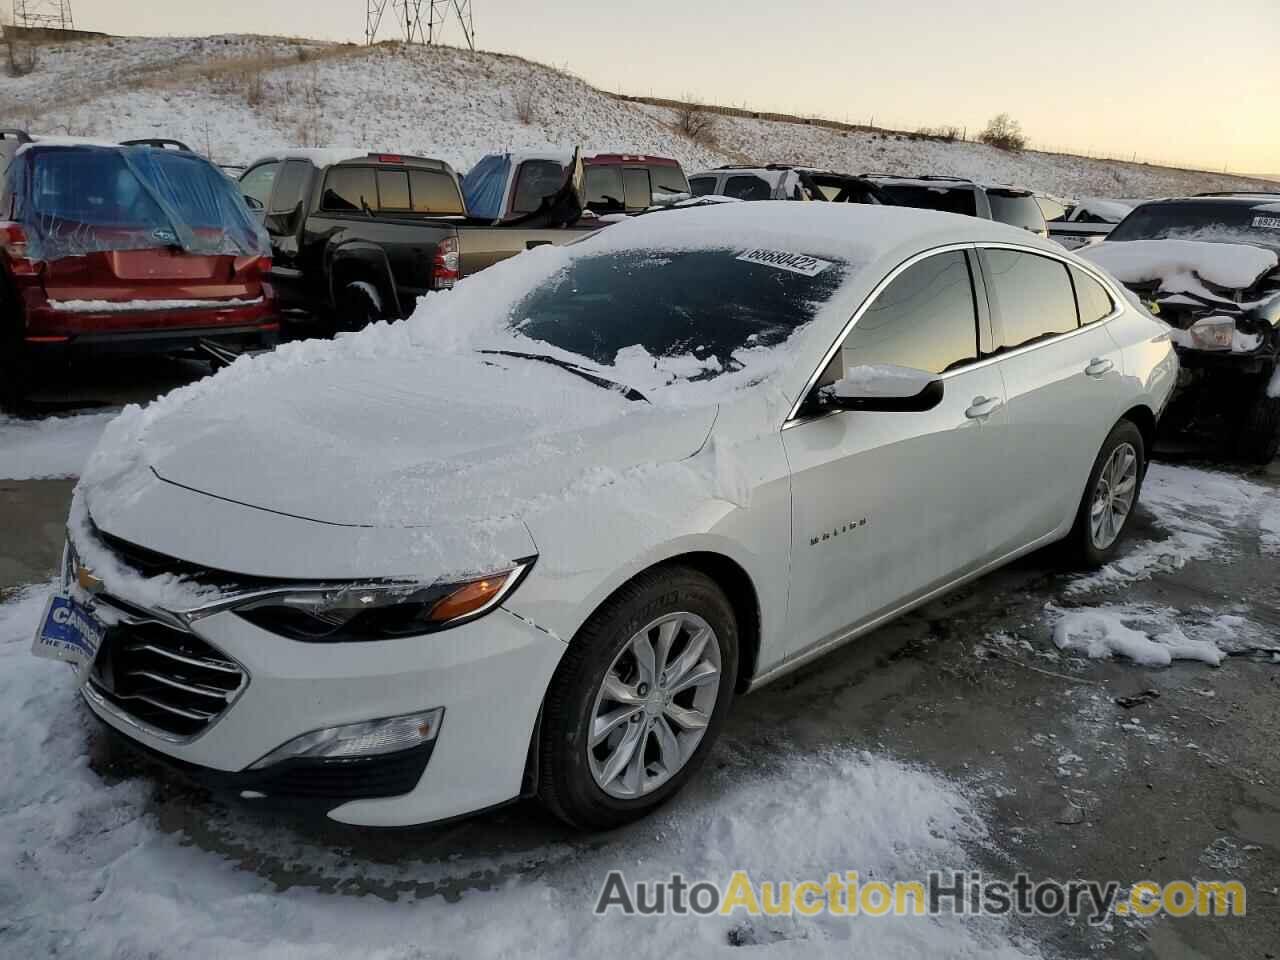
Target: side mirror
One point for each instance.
(883, 387)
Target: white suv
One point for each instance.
(535, 539)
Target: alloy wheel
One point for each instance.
(1113, 496)
(654, 705)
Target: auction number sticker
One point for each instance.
(1267, 223)
(791, 262)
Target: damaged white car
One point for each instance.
(533, 540)
(1208, 267)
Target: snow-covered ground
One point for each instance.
(90, 872)
(53, 447)
(235, 97)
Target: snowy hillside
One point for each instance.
(234, 97)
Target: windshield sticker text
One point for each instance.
(781, 260)
(1267, 223)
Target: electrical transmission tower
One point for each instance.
(407, 15)
(43, 14)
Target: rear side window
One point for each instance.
(702, 186)
(1091, 297)
(257, 183)
(1019, 210)
(668, 180)
(1034, 295)
(289, 185)
(393, 190)
(925, 319)
(537, 179)
(349, 190)
(435, 192)
(748, 188)
(636, 189)
(604, 189)
(946, 199)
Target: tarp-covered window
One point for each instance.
(80, 200)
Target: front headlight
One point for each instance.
(1213, 333)
(379, 611)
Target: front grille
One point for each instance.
(165, 678)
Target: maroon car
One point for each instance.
(125, 249)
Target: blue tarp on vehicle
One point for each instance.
(485, 185)
(80, 199)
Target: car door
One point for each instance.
(889, 506)
(1064, 380)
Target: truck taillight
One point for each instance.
(13, 242)
(445, 264)
(247, 266)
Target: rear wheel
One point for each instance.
(638, 699)
(1107, 507)
(359, 304)
(1258, 439)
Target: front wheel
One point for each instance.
(1107, 507)
(638, 699)
(1258, 438)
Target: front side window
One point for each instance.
(536, 180)
(288, 192)
(349, 190)
(1034, 294)
(256, 185)
(1091, 297)
(925, 319)
(748, 188)
(604, 189)
(697, 310)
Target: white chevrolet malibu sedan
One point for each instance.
(535, 539)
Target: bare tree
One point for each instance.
(693, 120)
(524, 104)
(20, 58)
(1005, 133)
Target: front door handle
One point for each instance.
(1097, 367)
(983, 407)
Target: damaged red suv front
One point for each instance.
(125, 249)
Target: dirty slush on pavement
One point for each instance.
(1081, 767)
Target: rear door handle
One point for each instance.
(983, 407)
(1097, 367)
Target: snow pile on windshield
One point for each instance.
(97, 869)
(1183, 266)
(1112, 211)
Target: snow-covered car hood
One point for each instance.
(427, 462)
(1183, 266)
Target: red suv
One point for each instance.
(123, 248)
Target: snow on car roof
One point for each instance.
(325, 157)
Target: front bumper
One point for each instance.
(489, 675)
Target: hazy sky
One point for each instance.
(1170, 80)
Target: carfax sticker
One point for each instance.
(791, 262)
(1267, 223)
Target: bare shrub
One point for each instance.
(255, 89)
(524, 104)
(1004, 133)
(693, 120)
(945, 134)
(20, 58)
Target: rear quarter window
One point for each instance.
(1091, 297)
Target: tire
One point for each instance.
(1083, 546)
(359, 304)
(15, 366)
(1258, 440)
(571, 769)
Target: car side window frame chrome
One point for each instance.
(794, 418)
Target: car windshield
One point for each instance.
(701, 307)
(1214, 222)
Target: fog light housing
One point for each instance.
(1213, 333)
(370, 738)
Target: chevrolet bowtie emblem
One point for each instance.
(88, 582)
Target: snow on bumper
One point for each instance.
(489, 676)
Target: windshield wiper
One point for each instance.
(631, 393)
